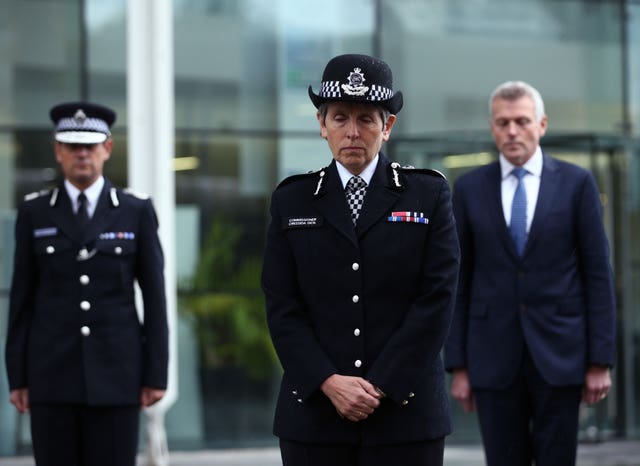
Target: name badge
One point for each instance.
(44, 232)
(302, 222)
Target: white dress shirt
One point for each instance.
(92, 193)
(366, 175)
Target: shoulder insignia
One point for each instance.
(311, 174)
(428, 171)
(113, 195)
(134, 193)
(36, 194)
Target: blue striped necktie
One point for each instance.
(518, 226)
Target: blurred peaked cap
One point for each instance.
(357, 78)
(82, 122)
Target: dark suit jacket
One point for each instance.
(558, 299)
(64, 281)
(373, 301)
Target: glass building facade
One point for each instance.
(243, 121)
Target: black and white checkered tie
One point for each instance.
(355, 190)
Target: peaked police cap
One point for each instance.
(82, 122)
(357, 78)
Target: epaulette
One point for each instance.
(134, 193)
(36, 194)
(299, 176)
(427, 171)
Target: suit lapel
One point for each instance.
(548, 187)
(495, 213)
(332, 204)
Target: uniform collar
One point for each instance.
(92, 193)
(366, 175)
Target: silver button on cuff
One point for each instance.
(83, 252)
(358, 363)
(356, 332)
(84, 279)
(85, 305)
(355, 266)
(355, 298)
(85, 331)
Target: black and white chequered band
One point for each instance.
(89, 124)
(331, 89)
(380, 93)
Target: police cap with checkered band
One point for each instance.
(82, 122)
(357, 78)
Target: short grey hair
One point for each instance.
(384, 113)
(513, 90)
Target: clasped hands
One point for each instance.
(354, 398)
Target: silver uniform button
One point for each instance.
(85, 305)
(355, 298)
(411, 394)
(84, 279)
(85, 331)
(50, 249)
(83, 252)
(356, 332)
(358, 363)
(355, 266)
(118, 250)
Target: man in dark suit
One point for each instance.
(533, 331)
(359, 284)
(78, 358)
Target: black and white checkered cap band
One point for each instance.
(95, 125)
(331, 89)
(380, 93)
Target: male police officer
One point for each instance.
(359, 275)
(77, 356)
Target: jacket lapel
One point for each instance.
(495, 213)
(62, 214)
(332, 204)
(548, 187)
(101, 216)
(378, 200)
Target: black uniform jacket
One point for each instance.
(74, 335)
(373, 301)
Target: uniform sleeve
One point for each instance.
(455, 347)
(23, 285)
(150, 276)
(304, 361)
(422, 334)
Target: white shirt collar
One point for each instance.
(92, 193)
(533, 165)
(366, 175)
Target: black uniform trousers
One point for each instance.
(80, 435)
(529, 421)
(428, 453)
